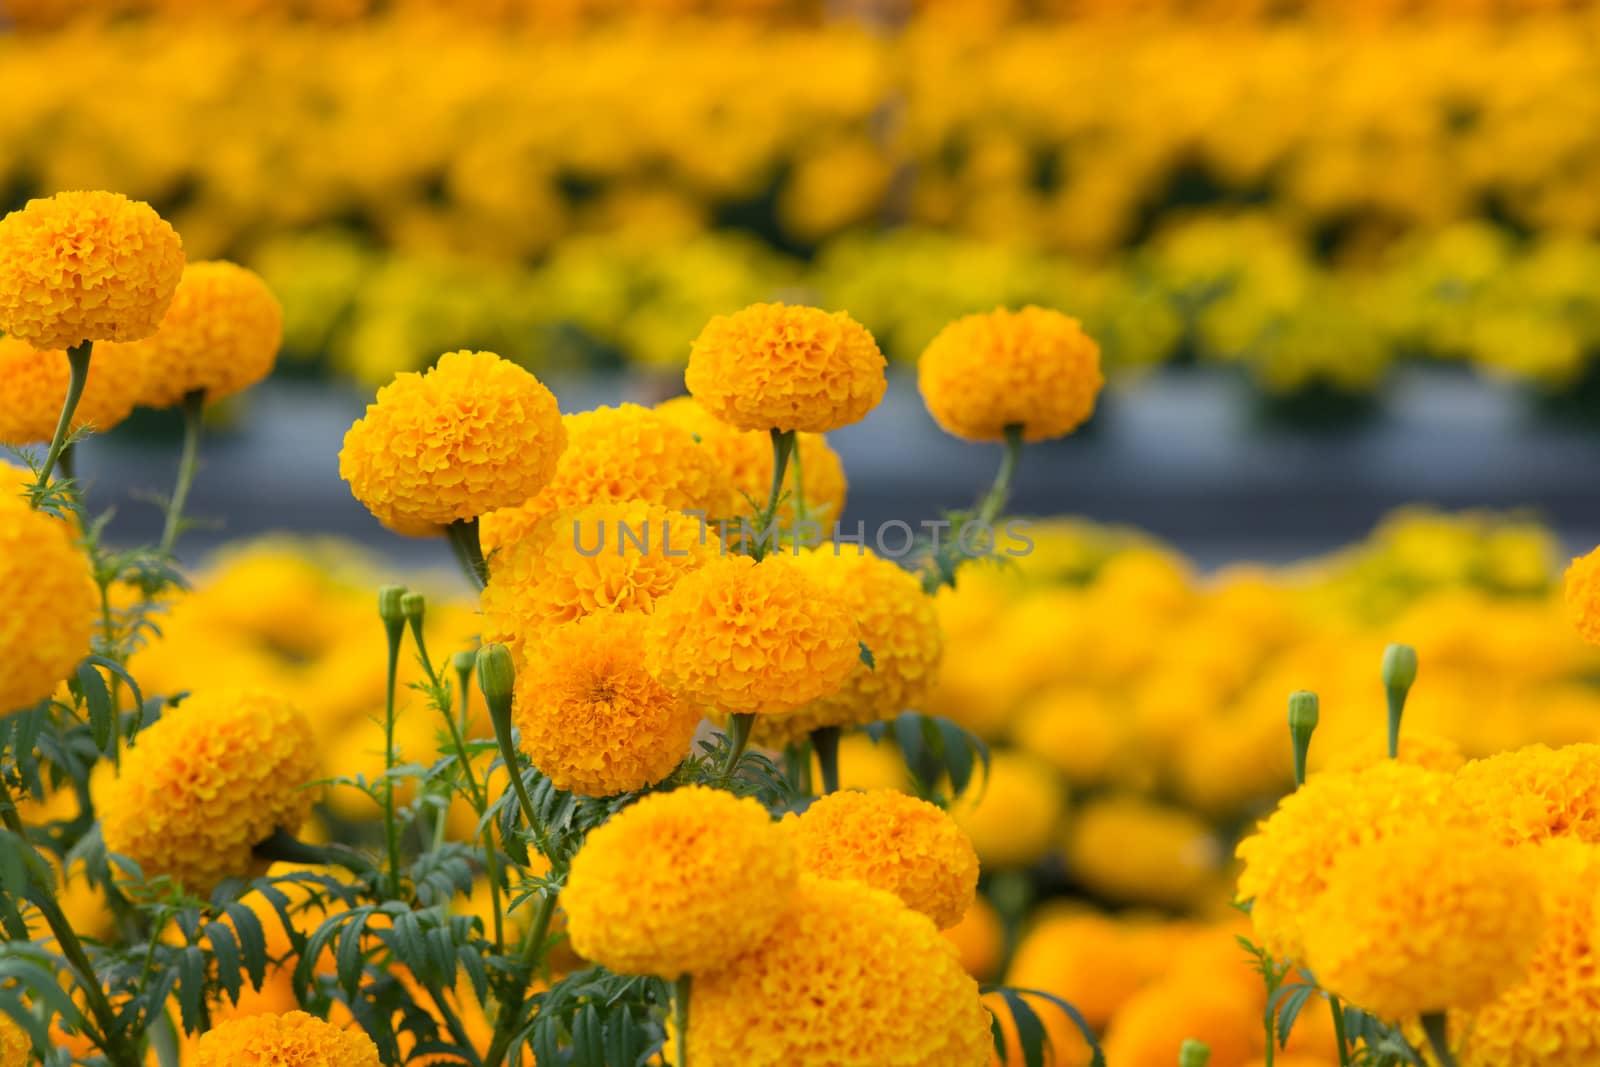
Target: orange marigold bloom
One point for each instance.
(778, 367)
(666, 887)
(894, 842)
(1423, 922)
(33, 385)
(86, 266)
(220, 335)
(617, 455)
(51, 602)
(1582, 589)
(897, 622)
(473, 434)
(1535, 793)
(1417, 748)
(601, 559)
(213, 778)
(15, 1046)
(280, 1040)
(1032, 368)
(746, 455)
(592, 718)
(1153, 1024)
(746, 637)
(849, 978)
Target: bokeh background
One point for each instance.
(1341, 254)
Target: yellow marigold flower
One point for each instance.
(617, 455)
(897, 622)
(276, 1040)
(1136, 851)
(780, 367)
(592, 718)
(221, 334)
(1012, 815)
(1085, 959)
(601, 559)
(741, 636)
(1423, 922)
(1425, 750)
(1077, 729)
(980, 939)
(15, 1047)
(473, 434)
(746, 455)
(1152, 1026)
(86, 266)
(894, 842)
(1535, 793)
(668, 886)
(51, 601)
(1551, 1017)
(1582, 589)
(815, 993)
(33, 384)
(1287, 860)
(1031, 368)
(217, 775)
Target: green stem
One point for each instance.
(1340, 1037)
(164, 1042)
(739, 729)
(1435, 1026)
(463, 535)
(511, 1007)
(1397, 708)
(194, 402)
(782, 449)
(799, 490)
(395, 630)
(77, 378)
(825, 740)
(680, 1019)
(999, 494)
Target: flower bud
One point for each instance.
(464, 662)
(1303, 716)
(1399, 673)
(495, 677)
(1194, 1053)
(389, 604)
(413, 605)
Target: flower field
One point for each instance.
(654, 752)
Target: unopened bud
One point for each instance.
(496, 677)
(1303, 716)
(414, 605)
(389, 604)
(1194, 1053)
(464, 662)
(1399, 673)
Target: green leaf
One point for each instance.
(588, 1038)
(1030, 1031)
(226, 950)
(191, 987)
(866, 656)
(1097, 1057)
(252, 940)
(97, 698)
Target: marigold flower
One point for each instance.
(1551, 1016)
(621, 455)
(779, 367)
(897, 622)
(1085, 958)
(814, 993)
(15, 1047)
(214, 777)
(666, 887)
(601, 559)
(473, 434)
(86, 266)
(277, 1040)
(51, 599)
(592, 718)
(741, 636)
(1152, 1026)
(980, 939)
(1136, 851)
(1032, 368)
(1535, 793)
(746, 455)
(1423, 922)
(221, 334)
(1012, 813)
(1287, 859)
(894, 842)
(33, 385)
(1582, 590)
(1429, 751)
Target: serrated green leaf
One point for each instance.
(252, 941)
(191, 972)
(226, 950)
(97, 699)
(1097, 1057)
(349, 961)
(588, 1038)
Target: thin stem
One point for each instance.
(680, 1019)
(194, 403)
(825, 740)
(463, 535)
(77, 377)
(739, 729)
(999, 494)
(800, 514)
(1340, 1037)
(511, 1007)
(782, 449)
(1435, 1026)
(1397, 706)
(395, 630)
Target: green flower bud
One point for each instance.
(414, 605)
(1303, 716)
(1399, 673)
(1194, 1053)
(389, 604)
(496, 676)
(464, 662)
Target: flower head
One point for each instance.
(1423, 922)
(1154, 1023)
(600, 559)
(473, 434)
(620, 455)
(1031, 368)
(279, 1040)
(742, 636)
(221, 334)
(1420, 749)
(779, 367)
(592, 718)
(1582, 588)
(86, 266)
(199, 789)
(50, 601)
(33, 384)
(1535, 793)
(894, 842)
(1137, 851)
(813, 993)
(1287, 859)
(1012, 813)
(897, 622)
(666, 887)
(746, 455)
(15, 1047)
